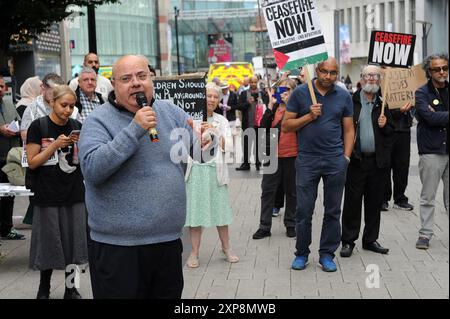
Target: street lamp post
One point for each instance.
(177, 13)
(425, 32)
(92, 30)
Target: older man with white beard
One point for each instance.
(369, 161)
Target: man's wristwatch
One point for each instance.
(347, 158)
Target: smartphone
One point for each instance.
(75, 132)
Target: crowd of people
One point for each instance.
(107, 195)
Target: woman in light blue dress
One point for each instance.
(208, 202)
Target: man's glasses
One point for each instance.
(369, 76)
(326, 72)
(128, 77)
(439, 69)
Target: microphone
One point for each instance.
(142, 101)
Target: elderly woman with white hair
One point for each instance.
(208, 201)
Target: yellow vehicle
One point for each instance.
(105, 71)
(232, 72)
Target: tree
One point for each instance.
(23, 20)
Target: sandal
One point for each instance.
(192, 261)
(231, 258)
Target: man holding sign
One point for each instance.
(369, 164)
(325, 143)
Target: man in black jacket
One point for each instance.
(247, 104)
(401, 150)
(369, 161)
(432, 141)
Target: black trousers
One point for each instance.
(137, 272)
(279, 196)
(6, 207)
(400, 156)
(247, 147)
(285, 174)
(364, 180)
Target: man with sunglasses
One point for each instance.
(432, 141)
(325, 144)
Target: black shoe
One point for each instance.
(290, 232)
(260, 234)
(43, 293)
(404, 206)
(258, 167)
(385, 207)
(375, 247)
(243, 167)
(72, 293)
(346, 250)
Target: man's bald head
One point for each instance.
(128, 59)
(130, 76)
(327, 72)
(331, 62)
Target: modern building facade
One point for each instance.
(147, 27)
(128, 27)
(425, 18)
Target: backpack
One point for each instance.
(13, 168)
(30, 174)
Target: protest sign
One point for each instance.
(186, 91)
(402, 85)
(391, 49)
(295, 32)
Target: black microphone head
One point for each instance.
(141, 99)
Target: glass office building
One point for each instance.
(199, 20)
(132, 27)
(129, 27)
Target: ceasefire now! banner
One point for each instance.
(295, 32)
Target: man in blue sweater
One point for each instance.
(135, 192)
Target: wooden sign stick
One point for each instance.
(385, 93)
(310, 86)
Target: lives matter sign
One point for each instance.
(295, 32)
(186, 91)
(392, 49)
(402, 85)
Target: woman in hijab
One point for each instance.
(29, 90)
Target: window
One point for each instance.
(381, 16)
(350, 23)
(357, 25)
(412, 6)
(367, 22)
(402, 16)
(391, 16)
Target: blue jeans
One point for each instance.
(333, 171)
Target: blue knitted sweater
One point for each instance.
(135, 194)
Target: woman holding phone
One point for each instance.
(59, 222)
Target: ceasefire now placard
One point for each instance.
(295, 32)
(391, 49)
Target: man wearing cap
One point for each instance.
(227, 106)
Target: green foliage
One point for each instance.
(22, 20)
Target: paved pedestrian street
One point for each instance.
(264, 271)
